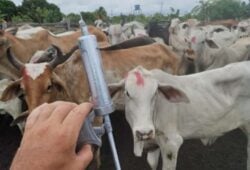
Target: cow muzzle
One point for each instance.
(144, 135)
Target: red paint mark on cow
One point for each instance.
(193, 40)
(25, 79)
(139, 79)
(25, 74)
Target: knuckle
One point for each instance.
(76, 111)
(64, 105)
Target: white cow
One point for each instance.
(170, 108)
(13, 107)
(220, 34)
(243, 28)
(178, 34)
(210, 55)
(116, 34)
(134, 29)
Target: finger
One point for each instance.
(74, 120)
(32, 118)
(61, 111)
(85, 156)
(43, 111)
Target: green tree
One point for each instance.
(89, 17)
(21, 18)
(101, 13)
(7, 9)
(158, 17)
(74, 18)
(218, 9)
(245, 12)
(41, 11)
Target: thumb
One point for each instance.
(85, 156)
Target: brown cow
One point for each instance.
(25, 48)
(43, 83)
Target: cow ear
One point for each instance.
(173, 94)
(20, 119)
(60, 87)
(211, 43)
(115, 87)
(13, 90)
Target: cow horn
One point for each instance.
(13, 60)
(60, 58)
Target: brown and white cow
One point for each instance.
(25, 48)
(46, 82)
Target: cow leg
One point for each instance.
(153, 158)
(169, 146)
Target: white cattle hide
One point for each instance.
(211, 56)
(28, 33)
(224, 39)
(134, 29)
(170, 108)
(65, 33)
(243, 28)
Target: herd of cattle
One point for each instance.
(147, 78)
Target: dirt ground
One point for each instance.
(228, 153)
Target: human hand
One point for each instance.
(50, 138)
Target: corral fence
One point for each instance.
(58, 27)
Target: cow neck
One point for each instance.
(64, 70)
(8, 69)
(68, 71)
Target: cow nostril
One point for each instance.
(138, 134)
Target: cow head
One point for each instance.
(115, 34)
(4, 43)
(39, 83)
(138, 109)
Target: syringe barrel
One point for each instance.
(93, 65)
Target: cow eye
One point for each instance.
(49, 88)
(128, 94)
(22, 95)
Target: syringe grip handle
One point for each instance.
(87, 135)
